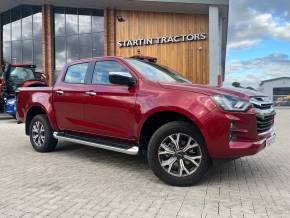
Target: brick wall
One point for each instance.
(48, 43)
(110, 28)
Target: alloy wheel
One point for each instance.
(179, 155)
(38, 133)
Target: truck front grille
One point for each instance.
(264, 123)
(265, 113)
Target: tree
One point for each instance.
(236, 84)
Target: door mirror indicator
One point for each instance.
(122, 78)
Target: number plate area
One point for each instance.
(271, 140)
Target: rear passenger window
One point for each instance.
(102, 70)
(76, 73)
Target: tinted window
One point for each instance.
(60, 53)
(98, 44)
(27, 46)
(37, 53)
(157, 73)
(21, 74)
(85, 24)
(71, 21)
(16, 52)
(27, 28)
(97, 24)
(102, 70)
(22, 35)
(82, 31)
(7, 51)
(6, 22)
(281, 91)
(59, 24)
(76, 73)
(72, 48)
(16, 30)
(85, 47)
(37, 26)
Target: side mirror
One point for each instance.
(122, 78)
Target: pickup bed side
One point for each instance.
(34, 101)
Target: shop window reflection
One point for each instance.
(79, 33)
(22, 35)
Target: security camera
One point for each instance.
(120, 18)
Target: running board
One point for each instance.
(103, 144)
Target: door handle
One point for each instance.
(59, 92)
(91, 93)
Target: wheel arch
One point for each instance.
(156, 119)
(32, 112)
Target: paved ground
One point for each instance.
(77, 181)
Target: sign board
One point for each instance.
(162, 40)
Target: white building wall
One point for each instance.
(268, 86)
(215, 41)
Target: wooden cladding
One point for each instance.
(187, 58)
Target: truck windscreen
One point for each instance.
(21, 74)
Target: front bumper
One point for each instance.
(245, 148)
(218, 133)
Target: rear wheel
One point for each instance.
(41, 134)
(177, 154)
(2, 102)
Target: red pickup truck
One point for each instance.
(133, 106)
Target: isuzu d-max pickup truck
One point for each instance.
(135, 106)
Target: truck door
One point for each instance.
(69, 98)
(110, 109)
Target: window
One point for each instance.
(102, 70)
(27, 49)
(22, 35)
(157, 73)
(21, 74)
(281, 91)
(79, 33)
(76, 73)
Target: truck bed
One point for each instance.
(32, 96)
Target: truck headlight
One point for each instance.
(229, 103)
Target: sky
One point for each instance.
(258, 41)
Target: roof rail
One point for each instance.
(145, 58)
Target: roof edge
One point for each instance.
(201, 2)
(274, 79)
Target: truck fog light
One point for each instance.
(233, 125)
(233, 135)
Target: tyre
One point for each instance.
(41, 134)
(2, 103)
(177, 154)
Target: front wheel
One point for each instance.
(41, 134)
(177, 154)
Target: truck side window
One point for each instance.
(76, 73)
(102, 70)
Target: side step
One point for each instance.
(98, 143)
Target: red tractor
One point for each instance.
(15, 76)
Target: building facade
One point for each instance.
(188, 35)
(277, 89)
